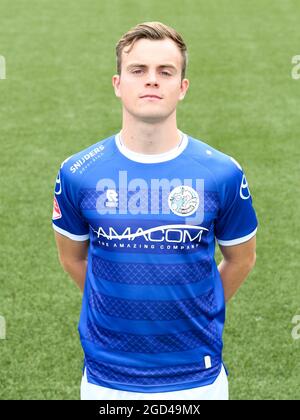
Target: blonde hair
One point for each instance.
(154, 31)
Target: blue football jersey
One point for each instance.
(153, 307)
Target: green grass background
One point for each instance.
(58, 99)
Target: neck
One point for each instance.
(148, 138)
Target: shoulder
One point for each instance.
(79, 163)
(223, 167)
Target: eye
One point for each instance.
(138, 71)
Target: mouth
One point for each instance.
(151, 97)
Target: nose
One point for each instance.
(151, 79)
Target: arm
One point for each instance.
(237, 263)
(73, 257)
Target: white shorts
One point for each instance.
(218, 390)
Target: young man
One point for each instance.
(136, 217)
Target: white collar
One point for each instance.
(151, 158)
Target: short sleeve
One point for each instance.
(237, 221)
(67, 218)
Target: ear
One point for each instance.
(116, 85)
(184, 88)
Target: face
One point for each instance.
(152, 67)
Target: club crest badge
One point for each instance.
(183, 200)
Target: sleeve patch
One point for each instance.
(56, 210)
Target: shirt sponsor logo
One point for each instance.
(168, 233)
(93, 154)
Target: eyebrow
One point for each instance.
(130, 66)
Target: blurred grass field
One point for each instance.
(58, 99)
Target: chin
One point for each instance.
(152, 117)
(153, 114)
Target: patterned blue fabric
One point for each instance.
(153, 308)
(151, 376)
